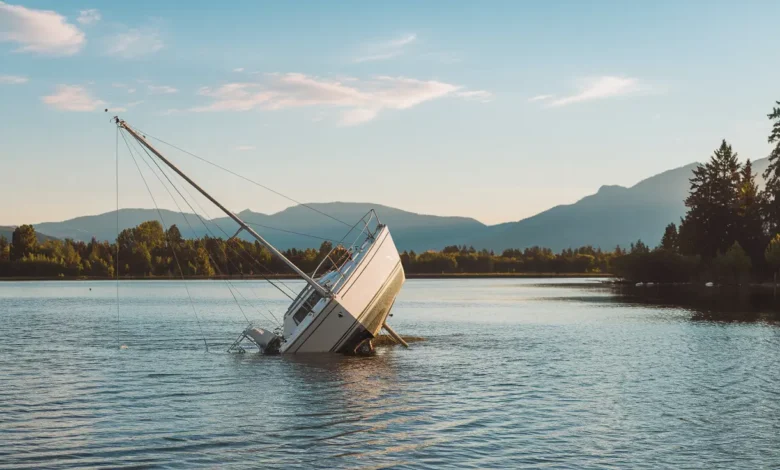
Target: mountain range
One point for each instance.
(614, 215)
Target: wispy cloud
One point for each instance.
(476, 95)
(39, 31)
(244, 148)
(12, 80)
(134, 103)
(73, 98)
(134, 43)
(162, 89)
(386, 49)
(238, 69)
(360, 100)
(601, 88)
(540, 98)
(118, 109)
(87, 17)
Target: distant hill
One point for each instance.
(103, 226)
(411, 231)
(615, 215)
(8, 231)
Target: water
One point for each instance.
(515, 373)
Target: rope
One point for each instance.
(230, 286)
(242, 177)
(220, 228)
(291, 232)
(159, 213)
(116, 270)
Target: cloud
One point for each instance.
(239, 69)
(600, 88)
(476, 95)
(540, 98)
(117, 110)
(73, 98)
(162, 89)
(134, 43)
(134, 103)
(361, 100)
(244, 148)
(387, 49)
(12, 80)
(87, 17)
(39, 31)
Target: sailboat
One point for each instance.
(344, 303)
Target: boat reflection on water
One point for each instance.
(334, 399)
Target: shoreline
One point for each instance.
(291, 276)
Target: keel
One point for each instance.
(394, 335)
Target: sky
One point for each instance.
(491, 110)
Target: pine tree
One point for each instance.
(771, 202)
(671, 240)
(750, 231)
(711, 224)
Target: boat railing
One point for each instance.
(340, 254)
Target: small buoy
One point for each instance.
(709, 284)
(124, 346)
(640, 284)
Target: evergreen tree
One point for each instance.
(750, 229)
(772, 175)
(671, 240)
(711, 224)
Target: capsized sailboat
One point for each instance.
(345, 302)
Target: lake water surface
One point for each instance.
(514, 374)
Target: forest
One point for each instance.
(730, 234)
(149, 250)
(731, 231)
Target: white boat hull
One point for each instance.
(359, 307)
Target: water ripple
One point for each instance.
(514, 374)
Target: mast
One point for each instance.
(322, 291)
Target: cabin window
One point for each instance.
(306, 307)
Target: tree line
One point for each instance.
(731, 230)
(149, 250)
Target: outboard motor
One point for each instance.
(267, 341)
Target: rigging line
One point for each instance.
(162, 169)
(205, 225)
(291, 232)
(267, 309)
(116, 265)
(244, 256)
(351, 229)
(242, 177)
(192, 304)
(231, 287)
(275, 320)
(186, 219)
(190, 226)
